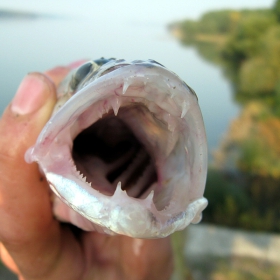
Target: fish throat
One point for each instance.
(129, 146)
(108, 152)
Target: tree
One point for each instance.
(276, 9)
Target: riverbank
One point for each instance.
(220, 253)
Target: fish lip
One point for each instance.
(66, 116)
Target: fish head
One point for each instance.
(125, 150)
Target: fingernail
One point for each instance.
(78, 63)
(31, 94)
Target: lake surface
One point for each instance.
(38, 44)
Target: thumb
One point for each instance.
(25, 210)
(35, 241)
(25, 117)
(20, 125)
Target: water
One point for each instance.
(39, 44)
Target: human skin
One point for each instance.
(34, 245)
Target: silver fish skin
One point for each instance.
(125, 150)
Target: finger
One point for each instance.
(57, 74)
(127, 257)
(21, 123)
(28, 230)
(151, 258)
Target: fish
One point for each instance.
(125, 151)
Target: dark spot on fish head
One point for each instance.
(80, 74)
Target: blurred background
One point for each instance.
(229, 53)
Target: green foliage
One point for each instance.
(241, 268)
(189, 28)
(227, 199)
(257, 78)
(260, 75)
(257, 157)
(225, 22)
(276, 9)
(247, 45)
(209, 51)
(217, 22)
(181, 270)
(252, 57)
(243, 43)
(248, 202)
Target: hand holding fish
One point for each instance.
(34, 244)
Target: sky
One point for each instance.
(152, 11)
(131, 29)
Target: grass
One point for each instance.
(233, 269)
(218, 268)
(181, 270)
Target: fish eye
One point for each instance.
(80, 74)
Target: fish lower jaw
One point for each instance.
(119, 214)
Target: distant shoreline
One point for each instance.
(177, 33)
(13, 14)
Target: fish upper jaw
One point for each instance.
(163, 114)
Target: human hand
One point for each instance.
(34, 244)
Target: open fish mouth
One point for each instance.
(125, 150)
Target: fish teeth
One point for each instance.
(119, 192)
(126, 84)
(149, 198)
(115, 103)
(185, 108)
(82, 177)
(118, 188)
